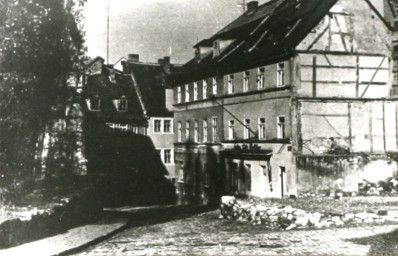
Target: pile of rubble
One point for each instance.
(389, 186)
(288, 218)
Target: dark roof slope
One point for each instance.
(273, 29)
(149, 79)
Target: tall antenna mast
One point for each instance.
(107, 37)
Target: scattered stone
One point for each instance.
(382, 212)
(362, 215)
(292, 226)
(368, 220)
(271, 246)
(301, 221)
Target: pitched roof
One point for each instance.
(273, 29)
(150, 88)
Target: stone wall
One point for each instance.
(333, 174)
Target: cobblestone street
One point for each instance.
(205, 234)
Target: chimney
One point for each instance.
(166, 63)
(167, 60)
(251, 6)
(133, 58)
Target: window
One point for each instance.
(179, 132)
(261, 128)
(214, 129)
(205, 131)
(124, 127)
(231, 129)
(179, 94)
(187, 93)
(187, 128)
(181, 172)
(196, 131)
(195, 91)
(157, 125)
(204, 92)
(167, 156)
(134, 129)
(246, 77)
(246, 130)
(214, 85)
(280, 81)
(230, 84)
(167, 126)
(121, 104)
(94, 104)
(260, 78)
(281, 127)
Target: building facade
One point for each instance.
(292, 97)
(130, 101)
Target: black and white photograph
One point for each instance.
(198, 127)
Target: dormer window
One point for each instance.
(121, 104)
(94, 104)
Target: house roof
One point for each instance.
(271, 31)
(150, 87)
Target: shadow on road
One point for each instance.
(384, 244)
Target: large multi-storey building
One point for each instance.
(293, 96)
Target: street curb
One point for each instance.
(94, 241)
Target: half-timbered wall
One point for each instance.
(351, 26)
(344, 76)
(341, 127)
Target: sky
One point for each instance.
(155, 28)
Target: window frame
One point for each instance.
(187, 130)
(187, 94)
(261, 128)
(281, 127)
(195, 91)
(170, 127)
(204, 89)
(230, 84)
(159, 130)
(231, 129)
(280, 74)
(246, 128)
(179, 131)
(90, 104)
(196, 131)
(179, 90)
(246, 80)
(169, 158)
(261, 78)
(214, 121)
(214, 86)
(205, 131)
